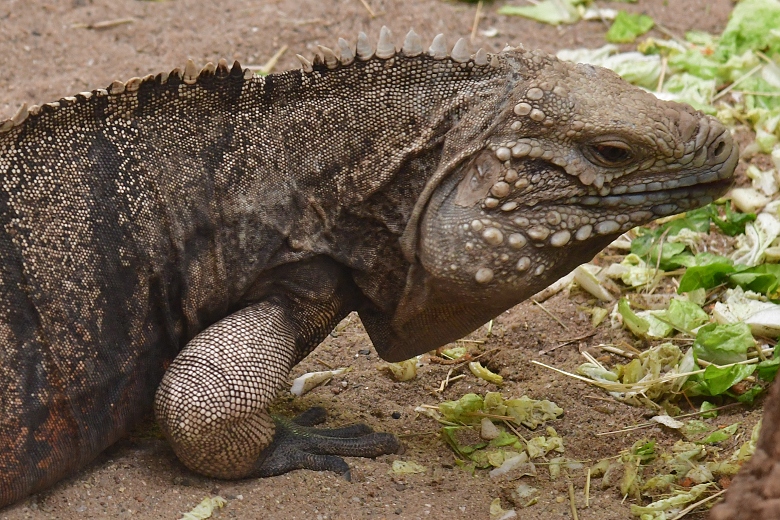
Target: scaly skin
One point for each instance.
(224, 224)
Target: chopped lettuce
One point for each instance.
(553, 12)
(753, 25)
(717, 380)
(758, 236)
(720, 435)
(723, 344)
(481, 372)
(627, 27)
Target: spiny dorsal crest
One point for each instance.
(190, 75)
(327, 58)
(385, 50)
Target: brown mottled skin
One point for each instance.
(224, 224)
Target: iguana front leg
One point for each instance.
(212, 403)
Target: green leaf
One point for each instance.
(494, 404)
(462, 409)
(541, 446)
(749, 447)
(645, 452)
(633, 322)
(671, 255)
(701, 38)
(503, 439)
(767, 369)
(716, 380)
(484, 373)
(674, 254)
(764, 278)
(734, 222)
(632, 372)
(706, 406)
(531, 412)
(723, 344)
(454, 352)
(644, 241)
(627, 27)
(749, 396)
(693, 90)
(646, 246)
(720, 435)
(206, 508)
(407, 467)
(752, 26)
(695, 428)
(449, 435)
(757, 282)
(553, 12)
(677, 501)
(656, 321)
(697, 220)
(685, 316)
(710, 270)
(696, 63)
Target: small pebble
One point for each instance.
(396, 415)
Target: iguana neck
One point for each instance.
(357, 145)
(301, 164)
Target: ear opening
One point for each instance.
(462, 144)
(411, 232)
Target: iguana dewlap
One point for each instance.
(224, 223)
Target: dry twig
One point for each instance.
(571, 502)
(371, 12)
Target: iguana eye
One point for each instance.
(610, 153)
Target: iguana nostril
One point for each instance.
(719, 149)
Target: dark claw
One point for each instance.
(296, 445)
(311, 417)
(317, 415)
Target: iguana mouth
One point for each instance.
(690, 191)
(708, 178)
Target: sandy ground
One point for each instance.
(48, 49)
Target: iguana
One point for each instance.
(196, 234)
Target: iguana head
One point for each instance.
(572, 157)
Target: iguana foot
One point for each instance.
(297, 445)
